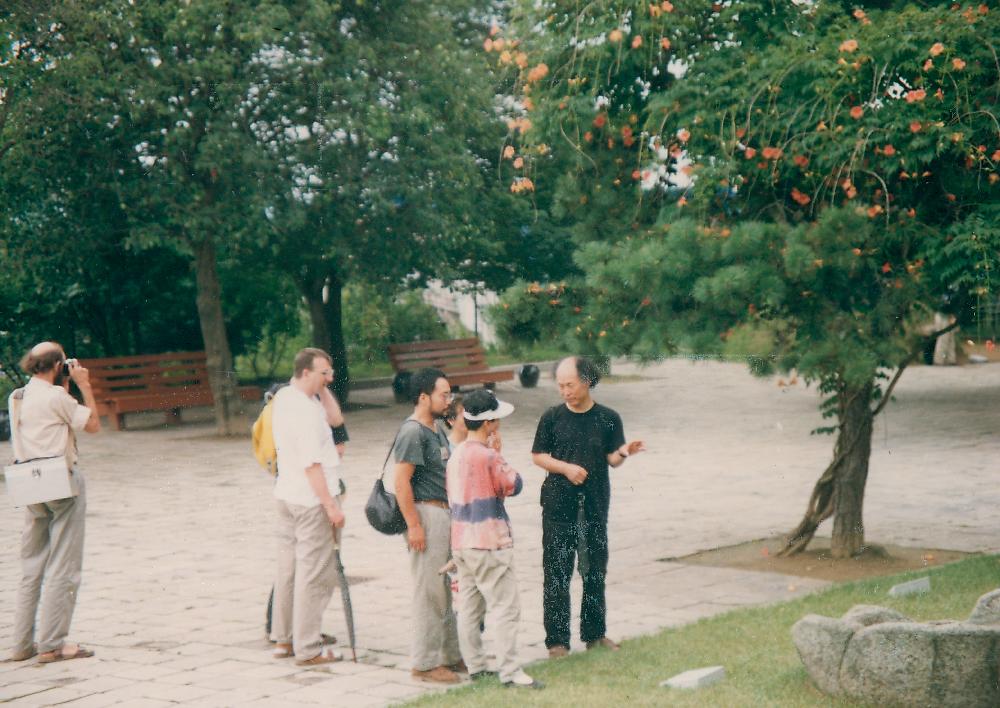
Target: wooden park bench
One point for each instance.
(153, 382)
(463, 361)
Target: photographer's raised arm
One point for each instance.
(81, 377)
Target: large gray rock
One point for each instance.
(821, 642)
(876, 655)
(889, 663)
(987, 610)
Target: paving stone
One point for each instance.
(94, 700)
(101, 684)
(696, 678)
(912, 587)
(50, 697)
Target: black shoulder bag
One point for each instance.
(382, 509)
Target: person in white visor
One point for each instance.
(482, 544)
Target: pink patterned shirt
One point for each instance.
(478, 480)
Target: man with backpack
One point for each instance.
(308, 511)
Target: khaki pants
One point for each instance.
(51, 555)
(435, 636)
(306, 577)
(486, 581)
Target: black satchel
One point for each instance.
(382, 509)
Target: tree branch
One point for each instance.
(906, 362)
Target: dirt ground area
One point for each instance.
(816, 561)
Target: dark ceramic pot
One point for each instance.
(528, 374)
(401, 386)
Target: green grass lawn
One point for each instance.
(754, 645)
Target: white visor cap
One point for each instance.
(502, 411)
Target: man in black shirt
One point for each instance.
(575, 443)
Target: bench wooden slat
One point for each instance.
(139, 358)
(480, 377)
(441, 360)
(158, 369)
(447, 344)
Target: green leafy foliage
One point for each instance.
(373, 320)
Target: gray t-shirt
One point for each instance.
(427, 450)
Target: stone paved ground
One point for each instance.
(179, 550)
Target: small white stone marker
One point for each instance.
(914, 587)
(696, 678)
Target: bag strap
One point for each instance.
(393, 446)
(15, 421)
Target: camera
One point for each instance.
(68, 364)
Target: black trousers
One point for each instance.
(561, 543)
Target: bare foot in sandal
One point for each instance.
(65, 653)
(282, 651)
(23, 655)
(321, 659)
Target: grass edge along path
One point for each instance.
(753, 644)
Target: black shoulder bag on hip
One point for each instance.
(382, 509)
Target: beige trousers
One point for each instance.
(51, 556)
(307, 575)
(487, 582)
(435, 637)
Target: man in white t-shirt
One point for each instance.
(308, 510)
(48, 419)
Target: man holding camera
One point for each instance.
(52, 539)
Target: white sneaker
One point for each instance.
(522, 680)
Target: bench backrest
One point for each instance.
(452, 356)
(118, 376)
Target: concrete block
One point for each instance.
(696, 678)
(913, 587)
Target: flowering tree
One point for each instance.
(807, 180)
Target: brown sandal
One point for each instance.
(50, 657)
(321, 659)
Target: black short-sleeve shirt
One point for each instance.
(584, 439)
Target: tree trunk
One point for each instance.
(334, 311)
(849, 495)
(840, 490)
(221, 375)
(326, 317)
